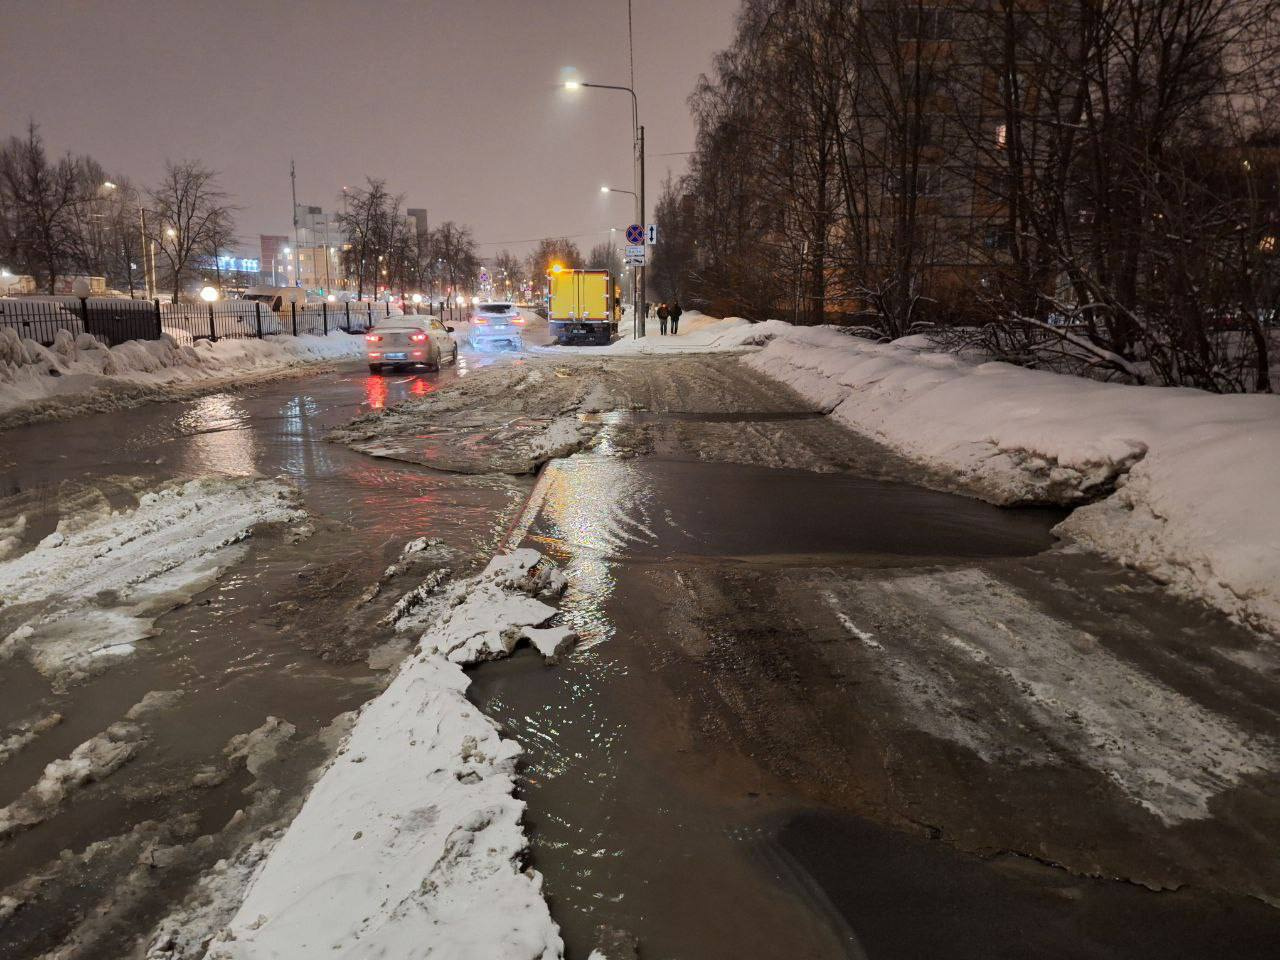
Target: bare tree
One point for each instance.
(512, 271)
(457, 262)
(550, 251)
(368, 220)
(187, 209)
(42, 203)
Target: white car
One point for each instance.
(405, 341)
(497, 323)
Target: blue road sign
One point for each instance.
(635, 234)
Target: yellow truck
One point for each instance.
(582, 304)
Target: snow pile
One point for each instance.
(80, 372)
(410, 845)
(1179, 483)
(699, 333)
(95, 759)
(92, 589)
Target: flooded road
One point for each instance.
(276, 650)
(817, 710)
(824, 714)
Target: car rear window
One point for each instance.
(496, 308)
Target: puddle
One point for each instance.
(615, 417)
(911, 897)
(248, 648)
(662, 509)
(655, 811)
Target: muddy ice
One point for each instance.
(196, 598)
(818, 707)
(787, 637)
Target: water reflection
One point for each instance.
(375, 392)
(221, 440)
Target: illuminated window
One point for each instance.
(1002, 136)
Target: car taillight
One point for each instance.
(417, 337)
(480, 320)
(373, 338)
(518, 320)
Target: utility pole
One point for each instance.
(640, 293)
(293, 183)
(146, 268)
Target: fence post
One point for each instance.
(388, 308)
(293, 312)
(257, 317)
(346, 310)
(159, 324)
(213, 332)
(324, 316)
(84, 314)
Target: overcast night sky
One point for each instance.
(455, 103)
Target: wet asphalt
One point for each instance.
(678, 775)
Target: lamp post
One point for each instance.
(637, 146)
(634, 270)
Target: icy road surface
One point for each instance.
(817, 709)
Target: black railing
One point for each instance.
(113, 321)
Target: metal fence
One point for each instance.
(113, 321)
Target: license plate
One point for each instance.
(395, 356)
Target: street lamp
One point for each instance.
(637, 132)
(616, 190)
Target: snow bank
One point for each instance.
(89, 591)
(699, 333)
(1176, 482)
(410, 845)
(79, 373)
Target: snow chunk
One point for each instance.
(94, 587)
(1182, 483)
(95, 759)
(82, 375)
(410, 844)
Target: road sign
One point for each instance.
(484, 276)
(652, 234)
(635, 234)
(634, 255)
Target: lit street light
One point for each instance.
(637, 145)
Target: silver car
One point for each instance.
(496, 324)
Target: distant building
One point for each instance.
(275, 266)
(419, 222)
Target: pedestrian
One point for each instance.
(674, 313)
(663, 313)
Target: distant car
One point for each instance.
(496, 323)
(406, 341)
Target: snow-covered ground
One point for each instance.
(1175, 482)
(410, 844)
(88, 593)
(699, 333)
(80, 373)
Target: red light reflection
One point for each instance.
(375, 392)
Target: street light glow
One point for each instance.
(108, 185)
(572, 84)
(604, 189)
(208, 294)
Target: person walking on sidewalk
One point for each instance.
(674, 312)
(663, 313)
